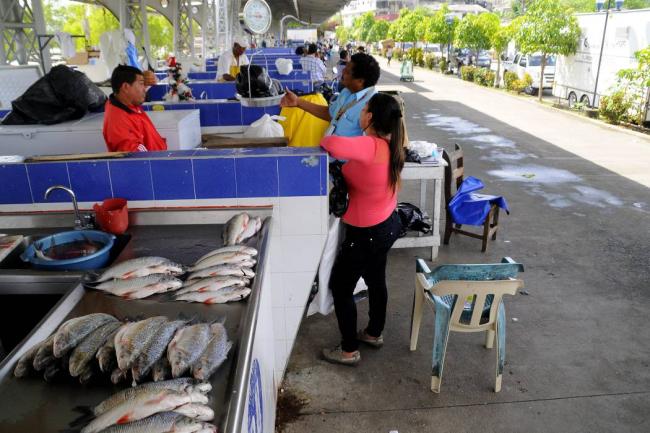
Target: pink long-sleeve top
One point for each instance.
(366, 173)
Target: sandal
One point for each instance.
(371, 341)
(335, 356)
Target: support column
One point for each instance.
(20, 23)
(133, 15)
(184, 29)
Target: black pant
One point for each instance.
(363, 253)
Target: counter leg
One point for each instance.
(423, 197)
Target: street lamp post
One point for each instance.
(449, 19)
(602, 46)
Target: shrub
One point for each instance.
(443, 65)
(467, 72)
(509, 78)
(519, 86)
(429, 60)
(528, 80)
(484, 77)
(614, 107)
(398, 54)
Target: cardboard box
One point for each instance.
(81, 58)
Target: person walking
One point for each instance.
(389, 54)
(371, 223)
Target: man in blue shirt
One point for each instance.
(359, 78)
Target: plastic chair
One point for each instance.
(480, 285)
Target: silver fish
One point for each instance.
(184, 384)
(207, 428)
(230, 249)
(227, 294)
(141, 267)
(231, 258)
(196, 411)
(44, 354)
(26, 362)
(254, 225)
(214, 354)
(167, 422)
(86, 375)
(222, 270)
(212, 284)
(155, 349)
(187, 346)
(161, 370)
(124, 287)
(234, 227)
(130, 341)
(118, 376)
(86, 350)
(145, 292)
(142, 406)
(74, 330)
(106, 354)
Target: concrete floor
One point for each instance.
(578, 355)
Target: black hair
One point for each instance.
(387, 121)
(300, 51)
(123, 74)
(366, 68)
(343, 54)
(312, 48)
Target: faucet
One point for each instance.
(80, 222)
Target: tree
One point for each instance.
(438, 31)
(362, 26)
(379, 31)
(342, 35)
(471, 33)
(549, 29)
(405, 28)
(634, 82)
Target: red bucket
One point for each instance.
(112, 215)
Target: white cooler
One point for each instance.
(181, 128)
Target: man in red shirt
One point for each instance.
(127, 128)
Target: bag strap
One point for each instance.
(351, 104)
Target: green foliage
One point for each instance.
(437, 29)
(405, 28)
(443, 65)
(378, 31)
(614, 107)
(472, 33)
(430, 60)
(509, 78)
(342, 34)
(416, 55)
(527, 80)
(484, 77)
(634, 83)
(362, 25)
(467, 72)
(398, 54)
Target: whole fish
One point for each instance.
(167, 422)
(141, 267)
(222, 270)
(214, 354)
(142, 406)
(161, 370)
(87, 349)
(207, 428)
(212, 284)
(196, 411)
(26, 362)
(52, 371)
(44, 354)
(106, 354)
(232, 258)
(230, 249)
(86, 375)
(118, 376)
(234, 227)
(155, 349)
(145, 292)
(124, 287)
(187, 346)
(130, 341)
(254, 225)
(184, 384)
(227, 294)
(74, 330)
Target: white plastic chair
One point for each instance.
(480, 285)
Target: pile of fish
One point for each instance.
(178, 405)
(157, 347)
(240, 227)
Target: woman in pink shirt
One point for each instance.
(371, 224)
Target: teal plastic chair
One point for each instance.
(466, 298)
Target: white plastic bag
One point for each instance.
(285, 66)
(265, 127)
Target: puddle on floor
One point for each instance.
(594, 197)
(454, 124)
(533, 173)
(502, 156)
(489, 140)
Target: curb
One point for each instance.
(534, 101)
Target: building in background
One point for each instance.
(382, 9)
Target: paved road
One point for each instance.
(578, 356)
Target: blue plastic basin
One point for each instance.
(97, 260)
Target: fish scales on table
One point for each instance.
(141, 267)
(87, 349)
(222, 271)
(222, 296)
(212, 284)
(155, 349)
(142, 405)
(130, 342)
(183, 384)
(74, 330)
(214, 354)
(230, 249)
(187, 346)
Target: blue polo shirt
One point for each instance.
(348, 124)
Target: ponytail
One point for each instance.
(387, 121)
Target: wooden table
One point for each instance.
(413, 172)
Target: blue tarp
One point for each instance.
(468, 207)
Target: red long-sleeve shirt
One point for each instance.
(366, 172)
(129, 129)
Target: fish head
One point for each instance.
(203, 387)
(178, 366)
(198, 397)
(60, 345)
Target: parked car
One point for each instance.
(531, 64)
(466, 57)
(434, 49)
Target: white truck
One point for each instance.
(531, 64)
(628, 31)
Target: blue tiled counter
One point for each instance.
(208, 89)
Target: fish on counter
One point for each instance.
(212, 284)
(240, 228)
(45, 354)
(221, 296)
(187, 346)
(130, 342)
(228, 258)
(87, 349)
(230, 249)
(161, 370)
(141, 267)
(214, 354)
(139, 287)
(74, 330)
(155, 349)
(222, 271)
(167, 422)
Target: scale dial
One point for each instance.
(257, 16)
